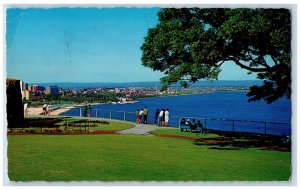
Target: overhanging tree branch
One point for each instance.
(274, 59)
(250, 68)
(218, 66)
(260, 60)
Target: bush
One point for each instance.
(47, 130)
(57, 130)
(30, 130)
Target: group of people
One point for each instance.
(87, 110)
(142, 115)
(161, 117)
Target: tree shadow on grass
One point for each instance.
(239, 141)
(225, 148)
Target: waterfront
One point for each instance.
(220, 105)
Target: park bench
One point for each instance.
(186, 127)
(190, 128)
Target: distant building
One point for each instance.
(40, 91)
(33, 88)
(22, 85)
(40, 88)
(52, 90)
(26, 95)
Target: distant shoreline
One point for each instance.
(206, 92)
(149, 84)
(39, 110)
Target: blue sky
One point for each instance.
(84, 45)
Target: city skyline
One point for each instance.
(84, 45)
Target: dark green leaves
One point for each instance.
(191, 44)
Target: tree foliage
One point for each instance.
(189, 44)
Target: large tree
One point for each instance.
(189, 44)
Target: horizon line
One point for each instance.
(140, 81)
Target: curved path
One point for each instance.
(139, 129)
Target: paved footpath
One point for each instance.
(139, 129)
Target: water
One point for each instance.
(221, 105)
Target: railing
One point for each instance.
(232, 125)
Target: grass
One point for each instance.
(225, 140)
(176, 132)
(114, 126)
(137, 158)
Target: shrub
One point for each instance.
(57, 130)
(30, 130)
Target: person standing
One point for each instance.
(85, 107)
(167, 117)
(156, 117)
(137, 114)
(89, 110)
(161, 113)
(145, 112)
(44, 109)
(163, 118)
(48, 109)
(141, 115)
(25, 109)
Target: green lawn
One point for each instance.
(113, 126)
(137, 158)
(176, 132)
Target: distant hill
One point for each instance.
(151, 84)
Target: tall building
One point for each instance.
(40, 90)
(26, 95)
(22, 85)
(52, 90)
(33, 88)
